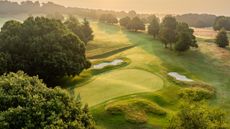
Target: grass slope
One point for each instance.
(118, 83)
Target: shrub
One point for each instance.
(26, 103)
(198, 116)
(196, 94)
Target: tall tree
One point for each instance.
(222, 39)
(185, 37)
(125, 21)
(26, 103)
(87, 31)
(222, 22)
(154, 26)
(136, 24)
(73, 24)
(168, 30)
(43, 47)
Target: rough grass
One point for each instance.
(132, 105)
(196, 94)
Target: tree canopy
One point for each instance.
(173, 32)
(154, 26)
(198, 115)
(197, 20)
(222, 22)
(26, 102)
(82, 30)
(108, 18)
(168, 30)
(125, 21)
(185, 37)
(222, 39)
(41, 46)
(133, 24)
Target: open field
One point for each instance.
(206, 33)
(147, 73)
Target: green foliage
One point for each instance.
(154, 27)
(183, 43)
(222, 22)
(197, 20)
(168, 30)
(133, 24)
(26, 102)
(198, 116)
(87, 31)
(43, 47)
(83, 31)
(222, 39)
(4, 62)
(196, 94)
(125, 21)
(172, 31)
(186, 39)
(136, 24)
(108, 18)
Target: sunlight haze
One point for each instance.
(218, 7)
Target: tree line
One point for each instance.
(175, 35)
(197, 20)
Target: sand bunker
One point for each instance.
(103, 65)
(179, 77)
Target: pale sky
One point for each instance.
(219, 7)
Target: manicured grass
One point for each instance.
(105, 40)
(207, 63)
(118, 83)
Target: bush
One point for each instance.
(198, 116)
(196, 94)
(26, 102)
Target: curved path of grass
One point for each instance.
(118, 83)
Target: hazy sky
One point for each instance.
(219, 7)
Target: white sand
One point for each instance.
(179, 77)
(103, 65)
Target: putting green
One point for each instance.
(118, 83)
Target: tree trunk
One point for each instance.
(166, 45)
(171, 46)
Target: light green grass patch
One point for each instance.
(118, 83)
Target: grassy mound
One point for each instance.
(135, 110)
(196, 93)
(104, 87)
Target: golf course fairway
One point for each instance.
(118, 83)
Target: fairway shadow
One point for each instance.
(110, 53)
